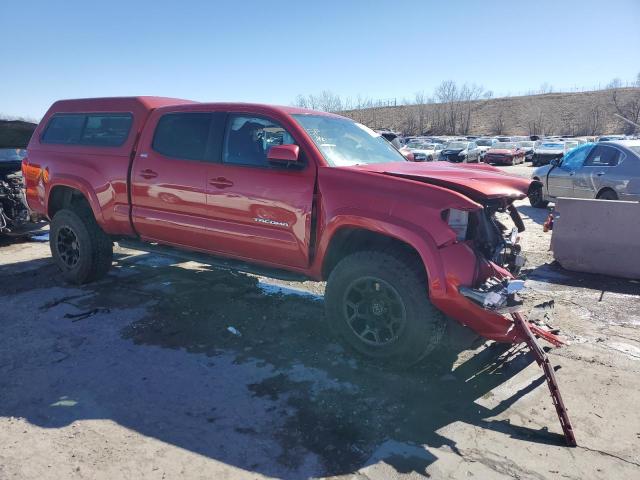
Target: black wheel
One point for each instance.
(378, 303)
(536, 198)
(608, 195)
(79, 246)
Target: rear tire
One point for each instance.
(536, 197)
(378, 303)
(607, 195)
(79, 247)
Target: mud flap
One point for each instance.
(527, 330)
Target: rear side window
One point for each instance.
(106, 130)
(603, 156)
(103, 130)
(64, 129)
(183, 135)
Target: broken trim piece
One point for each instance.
(543, 361)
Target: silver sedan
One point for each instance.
(606, 170)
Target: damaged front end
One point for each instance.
(15, 216)
(495, 290)
(493, 239)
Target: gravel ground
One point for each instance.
(153, 384)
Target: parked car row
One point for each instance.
(499, 150)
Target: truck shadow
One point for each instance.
(275, 394)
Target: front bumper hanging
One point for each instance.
(500, 296)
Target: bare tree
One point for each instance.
(498, 119)
(469, 95)
(615, 83)
(592, 122)
(627, 105)
(448, 96)
(545, 88)
(329, 101)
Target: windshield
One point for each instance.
(505, 145)
(484, 143)
(344, 142)
(552, 145)
(526, 144)
(635, 148)
(12, 154)
(457, 145)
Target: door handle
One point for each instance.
(572, 173)
(148, 173)
(221, 182)
(600, 174)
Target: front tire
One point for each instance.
(536, 196)
(378, 303)
(79, 247)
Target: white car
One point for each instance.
(485, 144)
(424, 152)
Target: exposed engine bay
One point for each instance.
(494, 240)
(15, 216)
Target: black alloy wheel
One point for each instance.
(68, 246)
(374, 311)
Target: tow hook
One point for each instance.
(500, 296)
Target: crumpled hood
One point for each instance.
(477, 181)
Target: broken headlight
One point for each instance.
(458, 221)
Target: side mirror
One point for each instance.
(556, 162)
(284, 153)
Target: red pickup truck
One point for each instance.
(289, 192)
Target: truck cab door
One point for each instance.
(260, 211)
(168, 178)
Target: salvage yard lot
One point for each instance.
(151, 383)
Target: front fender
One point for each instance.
(418, 239)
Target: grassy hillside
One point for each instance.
(15, 133)
(584, 113)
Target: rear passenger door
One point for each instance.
(260, 211)
(169, 177)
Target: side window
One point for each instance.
(576, 157)
(100, 130)
(248, 139)
(64, 129)
(603, 156)
(106, 130)
(183, 135)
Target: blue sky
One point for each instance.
(270, 51)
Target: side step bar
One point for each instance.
(223, 263)
(543, 361)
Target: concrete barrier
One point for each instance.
(597, 236)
